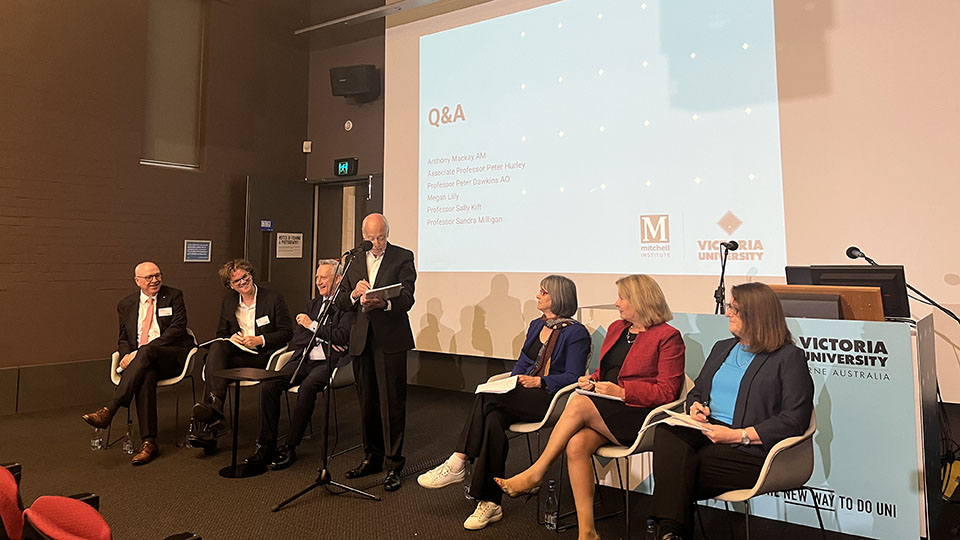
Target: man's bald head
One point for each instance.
(376, 229)
(147, 276)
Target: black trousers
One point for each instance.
(223, 355)
(484, 436)
(139, 380)
(688, 467)
(312, 378)
(382, 385)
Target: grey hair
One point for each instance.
(332, 262)
(563, 295)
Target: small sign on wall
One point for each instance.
(197, 250)
(289, 245)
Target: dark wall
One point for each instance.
(77, 211)
(328, 113)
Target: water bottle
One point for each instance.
(550, 507)
(128, 445)
(651, 533)
(96, 441)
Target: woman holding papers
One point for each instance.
(754, 391)
(254, 322)
(641, 367)
(554, 354)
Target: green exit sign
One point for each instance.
(345, 166)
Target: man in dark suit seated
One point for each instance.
(153, 345)
(312, 374)
(254, 322)
(379, 341)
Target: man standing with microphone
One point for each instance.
(379, 340)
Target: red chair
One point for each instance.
(11, 517)
(62, 518)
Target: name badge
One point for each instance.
(165, 312)
(263, 321)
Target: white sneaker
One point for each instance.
(441, 476)
(486, 512)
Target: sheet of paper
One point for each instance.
(497, 387)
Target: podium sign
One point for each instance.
(867, 478)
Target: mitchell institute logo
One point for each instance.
(655, 236)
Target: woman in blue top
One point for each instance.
(754, 391)
(554, 355)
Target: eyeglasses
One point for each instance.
(242, 280)
(151, 277)
(732, 308)
(544, 292)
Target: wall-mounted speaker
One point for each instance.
(361, 83)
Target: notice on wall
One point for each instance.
(289, 245)
(197, 250)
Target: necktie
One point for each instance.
(147, 323)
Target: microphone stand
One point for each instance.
(323, 474)
(721, 294)
(914, 289)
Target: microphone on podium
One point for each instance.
(364, 246)
(732, 245)
(854, 253)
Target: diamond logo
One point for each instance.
(729, 222)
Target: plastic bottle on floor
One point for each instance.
(96, 441)
(550, 506)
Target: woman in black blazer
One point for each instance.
(251, 317)
(754, 391)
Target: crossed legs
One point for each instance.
(579, 431)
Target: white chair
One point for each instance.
(549, 418)
(643, 443)
(186, 373)
(342, 377)
(787, 467)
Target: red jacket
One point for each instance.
(652, 373)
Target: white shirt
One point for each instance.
(373, 267)
(247, 315)
(154, 331)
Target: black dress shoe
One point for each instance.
(367, 467)
(206, 436)
(392, 481)
(210, 411)
(262, 456)
(284, 457)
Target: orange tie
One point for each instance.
(147, 323)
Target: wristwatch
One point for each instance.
(744, 438)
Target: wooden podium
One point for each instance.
(856, 303)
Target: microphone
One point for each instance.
(854, 252)
(731, 245)
(366, 245)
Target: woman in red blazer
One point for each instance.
(641, 367)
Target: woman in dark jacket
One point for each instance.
(554, 355)
(754, 391)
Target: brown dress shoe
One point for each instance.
(100, 418)
(148, 451)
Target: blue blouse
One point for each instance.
(726, 384)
